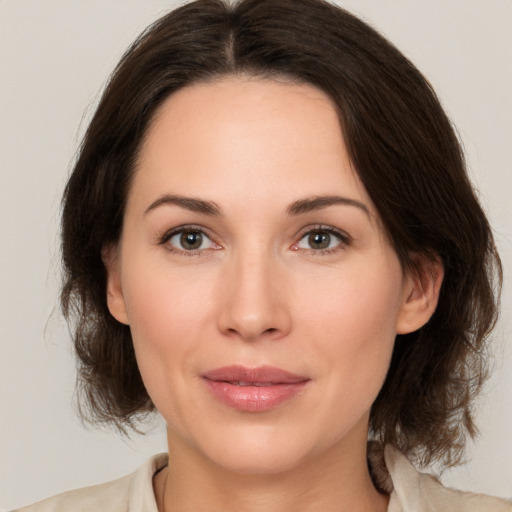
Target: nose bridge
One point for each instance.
(254, 303)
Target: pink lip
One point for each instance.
(254, 389)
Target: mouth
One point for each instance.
(254, 389)
(257, 384)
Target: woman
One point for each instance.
(270, 238)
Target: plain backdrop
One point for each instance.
(54, 59)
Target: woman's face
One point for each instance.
(262, 295)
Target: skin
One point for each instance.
(259, 292)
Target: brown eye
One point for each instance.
(324, 240)
(190, 240)
(319, 240)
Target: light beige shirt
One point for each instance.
(410, 491)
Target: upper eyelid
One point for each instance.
(185, 227)
(343, 235)
(321, 227)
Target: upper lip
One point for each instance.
(259, 375)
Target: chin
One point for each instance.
(258, 450)
(257, 461)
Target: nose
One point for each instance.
(254, 302)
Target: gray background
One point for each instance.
(54, 58)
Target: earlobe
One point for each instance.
(421, 294)
(115, 297)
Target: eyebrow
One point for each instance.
(311, 204)
(188, 203)
(306, 205)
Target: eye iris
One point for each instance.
(319, 240)
(190, 240)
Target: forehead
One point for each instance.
(245, 135)
(226, 110)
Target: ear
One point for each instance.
(422, 285)
(115, 297)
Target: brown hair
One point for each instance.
(406, 154)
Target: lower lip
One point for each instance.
(254, 398)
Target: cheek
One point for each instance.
(163, 305)
(350, 333)
(167, 315)
(352, 322)
(359, 303)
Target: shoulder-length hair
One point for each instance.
(403, 148)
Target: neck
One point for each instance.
(327, 482)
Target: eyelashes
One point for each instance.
(322, 240)
(192, 240)
(188, 240)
